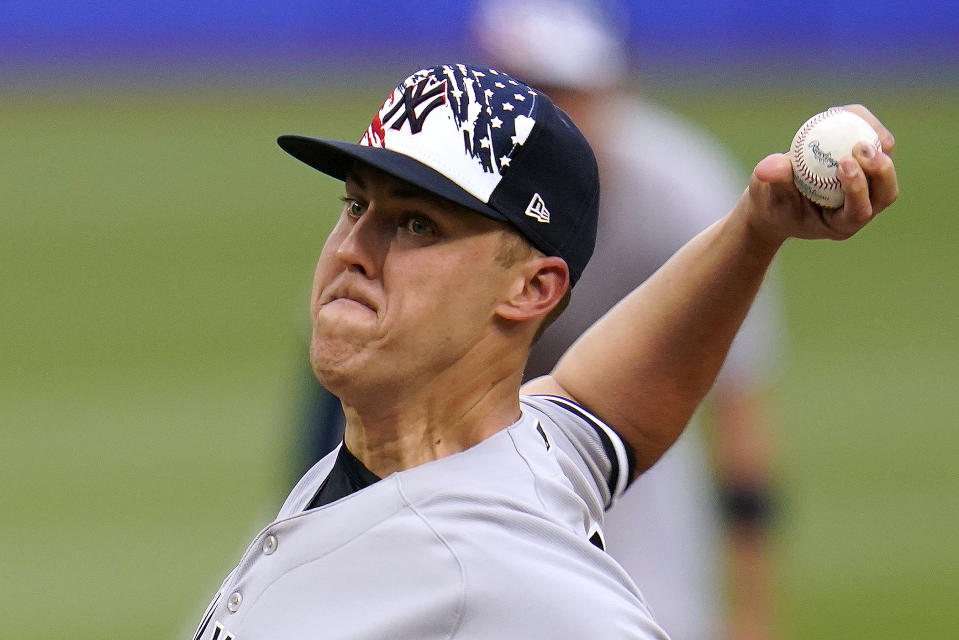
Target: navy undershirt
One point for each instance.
(347, 476)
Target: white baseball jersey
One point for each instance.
(492, 542)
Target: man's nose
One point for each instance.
(360, 246)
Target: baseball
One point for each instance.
(818, 147)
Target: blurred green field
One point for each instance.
(156, 253)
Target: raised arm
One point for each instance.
(646, 365)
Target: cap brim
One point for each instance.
(336, 158)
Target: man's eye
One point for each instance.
(419, 226)
(353, 208)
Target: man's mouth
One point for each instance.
(354, 301)
(350, 297)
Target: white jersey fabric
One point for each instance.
(663, 181)
(492, 542)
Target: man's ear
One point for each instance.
(539, 286)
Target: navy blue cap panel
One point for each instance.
(552, 194)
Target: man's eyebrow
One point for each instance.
(353, 176)
(398, 188)
(401, 189)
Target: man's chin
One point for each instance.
(335, 357)
(331, 375)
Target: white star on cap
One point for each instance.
(496, 122)
(504, 161)
(485, 142)
(519, 96)
(507, 106)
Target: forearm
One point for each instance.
(647, 364)
(669, 337)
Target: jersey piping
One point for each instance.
(621, 455)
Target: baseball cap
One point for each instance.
(483, 140)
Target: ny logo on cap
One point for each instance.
(537, 209)
(414, 97)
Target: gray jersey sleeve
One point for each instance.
(591, 446)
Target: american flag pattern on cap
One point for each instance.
(491, 113)
(485, 141)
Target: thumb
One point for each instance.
(775, 168)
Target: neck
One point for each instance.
(399, 428)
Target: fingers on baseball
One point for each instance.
(869, 183)
(886, 139)
(881, 175)
(857, 210)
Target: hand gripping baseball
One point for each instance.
(777, 210)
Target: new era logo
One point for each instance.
(537, 209)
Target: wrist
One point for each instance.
(756, 239)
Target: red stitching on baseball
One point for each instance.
(800, 144)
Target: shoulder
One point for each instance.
(590, 444)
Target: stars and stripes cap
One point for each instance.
(486, 141)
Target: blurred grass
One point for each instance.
(156, 253)
(868, 407)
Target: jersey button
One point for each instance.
(233, 604)
(269, 544)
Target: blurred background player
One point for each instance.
(671, 528)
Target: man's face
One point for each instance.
(406, 285)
